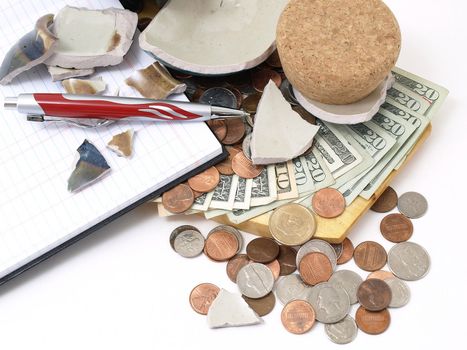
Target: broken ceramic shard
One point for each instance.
(353, 113)
(58, 73)
(122, 143)
(90, 167)
(32, 49)
(279, 133)
(92, 38)
(231, 310)
(155, 82)
(84, 86)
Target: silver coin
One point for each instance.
(408, 261)
(287, 92)
(338, 248)
(400, 292)
(412, 204)
(232, 230)
(255, 280)
(246, 146)
(317, 245)
(189, 243)
(291, 287)
(250, 120)
(349, 281)
(219, 96)
(176, 232)
(342, 332)
(331, 304)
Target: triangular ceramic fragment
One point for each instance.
(58, 73)
(279, 133)
(122, 143)
(84, 86)
(230, 310)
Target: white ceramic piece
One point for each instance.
(58, 73)
(279, 133)
(80, 47)
(84, 86)
(213, 36)
(354, 113)
(230, 310)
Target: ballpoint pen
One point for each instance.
(68, 107)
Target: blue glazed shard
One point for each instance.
(90, 167)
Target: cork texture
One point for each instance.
(337, 51)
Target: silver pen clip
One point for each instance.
(80, 122)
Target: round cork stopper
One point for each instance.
(337, 51)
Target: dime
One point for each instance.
(396, 228)
(380, 274)
(244, 168)
(298, 316)
(347, 251)
(255, 280)
(178, 199)
(317, 245)
(205, 181)
(291, 287)
(400, 292)
(177, 230)
(331, 304)
(307, 116)
(231, 230)
(189, 243)
(260, 78)
(408, 261)
(202, 296)
(342, 332)
(370, 256)
(412, 205)
(235, 131)
(286, 260)
(374, 294)
(338, 247)
(246, 146)
(262, 250)
(221, 245)
(218, 127)
(372, 322)
(275, 268)
(219, 96)
(328, 203)
(349, 281)
(225, 167)
(250, 119)
(315, 268)
(262, 306)
(287, 92)
(274, 60)
(386, 202)
(250, 103)
(235, 264)
(292, 224)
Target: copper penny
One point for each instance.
(178, 199)
(244, 168)
(197, 194)
(205, 181)
(298, 316)
(372, 322)
(370, 256)
(381, 274)
(235, 131)
(275, 268)
(202, 296)
(250, 103)
(396, 228)
(386, 202)
(260, 78)
(347, 251)
(307, 116)
(287, 260)
(274, 60)
(262, 250)
(218, 127)
(235, 264)
(197, 94)
(328, 203)
(225, 167)
(221, 245)
(315, 268)
(374, 294)
(238, 95)
(262, 306)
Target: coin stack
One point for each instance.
(319, 291)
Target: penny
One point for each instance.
(238, 96)
(177, 231)
(250, 103)
(246, 146)
(218, 127)
(196, 95)
(317, 245)
(347, 251)
(292, 224)
(205, 181)
(338, 247)
(328, 203)
(255, 280)
(221, 245)
(372, 322)
(202, 296)
(408, 261)
(239, 79)
(298, 316)
(412, 204)
(374, 294)
(349, 281)
(380, 274)
(225, 167)
(244, 168)
(231, 230)
(275, 268)
(307, 116)
(178, 199)
(197, 194)
(189, 243)
(315, 268)
(262, 306)
(386, 202)
(235, 264)
(342, 332)
(263, 250)
(331, 304)
(260, 78)
(370, 256)
(274, 60)
(286, 260)
(400, 292)
(235, 131)
(396, 228)
(219, 96)
(291, 287)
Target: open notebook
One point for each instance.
(38, 216)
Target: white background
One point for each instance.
(124, 287)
